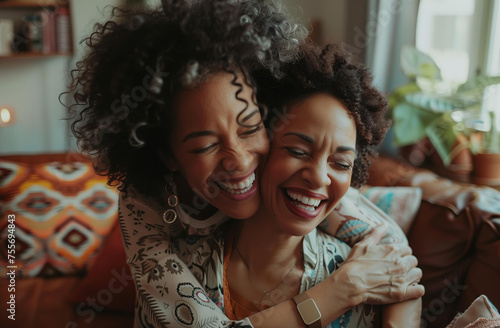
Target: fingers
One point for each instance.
(404, 293)
(405, 286)
(387, 272)
(401, 265)
(414, 291)
(405, 279)
(414, 276)
(396, 257)
(404, 250)
(375, 235)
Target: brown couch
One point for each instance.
(455, 234)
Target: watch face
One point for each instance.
(309, 311)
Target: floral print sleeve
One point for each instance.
(355, 216)
(168, 293)
(323, 255)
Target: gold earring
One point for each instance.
(170, 215)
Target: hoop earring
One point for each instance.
(133, 139)
(170, 215)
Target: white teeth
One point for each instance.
(307, 208)
(239, 191)
(313, 202)
(240, 187)
(305, 200)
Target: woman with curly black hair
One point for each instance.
(165, 103)
(335, 118)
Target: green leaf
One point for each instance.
(492, 137)
(415, 63)
(478, 84)
(409, 123)
(430, 102)
(442, 135)
(399, 94)
(428, 70)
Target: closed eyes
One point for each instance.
(299, 153)
(206, 149)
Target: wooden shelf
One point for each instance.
(17, 10)
(34, 55)
(31, 3)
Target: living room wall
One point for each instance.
(339, 21)
(32, 85)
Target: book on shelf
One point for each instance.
(6, 36)
(48, 31)
(32, 30)
(63, 30)
(45, 31)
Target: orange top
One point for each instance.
(236, 306)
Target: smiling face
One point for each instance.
(310, 164)
(217, 156)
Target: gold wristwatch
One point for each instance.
(308, 310)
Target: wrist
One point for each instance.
(350, 292)
(308, 310)
(332, 297)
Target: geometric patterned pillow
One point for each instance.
(400, 203)
(63, 212)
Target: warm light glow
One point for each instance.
(5, 115)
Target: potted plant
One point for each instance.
(487, 155)
(429, 114)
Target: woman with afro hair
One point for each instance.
(335, 119)
(165, 103)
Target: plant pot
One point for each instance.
(487, 169)
(418, 153)
(461, 164)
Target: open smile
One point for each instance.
(303, 203)
(239, 189)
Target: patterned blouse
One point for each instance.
(178, 267)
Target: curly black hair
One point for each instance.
(332, 70)
(123, 90)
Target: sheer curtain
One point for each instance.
(391, 24)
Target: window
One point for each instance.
(444, 31)
(492, 94)
(463, 37)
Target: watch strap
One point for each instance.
(301, 298)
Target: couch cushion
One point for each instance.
(63, 211)
(41, 302)
(442, 243)
(108, 278)
(483, 274)
(38, 302)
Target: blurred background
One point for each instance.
(438, 61)
(461, 36)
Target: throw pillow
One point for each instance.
(400, 203)
(63, 211)
(355, 214)
(108, 280)
(481, 314)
